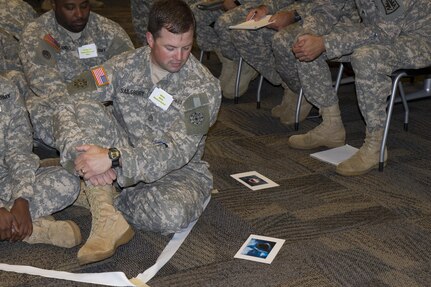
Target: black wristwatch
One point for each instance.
(115, 155)
(296, 16)
(237, 3)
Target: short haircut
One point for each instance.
(173, 15)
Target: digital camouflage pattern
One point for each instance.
(50, 60)
(163, 178)
(14, 15)
(48, 190)
(393, 34)
(256, 46)
(212, 26)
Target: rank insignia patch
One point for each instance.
(52, 42)
(100, 76)
(390, 6)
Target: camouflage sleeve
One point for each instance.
(276, 5)
(181, 141)
(121, 42)
(67, 132)
(22, 163)
(40, 65)
(322, 15)
(386, 27)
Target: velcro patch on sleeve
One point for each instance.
(391, 9)
(82, 83)
(45, 54)
(100, 76)
(197, 114)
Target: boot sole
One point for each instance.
(95, 257)
(354, 173)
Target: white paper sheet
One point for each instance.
(336, 155)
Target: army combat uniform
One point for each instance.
(393, 34)
(47, 190)
(163, 179)
(14, 15)
(52, 57)
(255, 46)
(212, 26)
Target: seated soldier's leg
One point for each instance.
(95, 125)
(229, 55)
(167, 205)
(285, 64)
(206, 37)
(54, 190)
(373, 66)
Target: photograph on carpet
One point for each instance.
(260, 248)
(254, 180)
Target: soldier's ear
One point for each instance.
(150, 39)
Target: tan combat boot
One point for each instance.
(59, 233)
(109, 229)
(329, 133)
(248, 74)
(285, 102)
(226, 69)
(366, 158)
(288, 107)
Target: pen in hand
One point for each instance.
(252, 16)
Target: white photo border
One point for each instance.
(268, 260)
(269, 183)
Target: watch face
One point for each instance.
(114, 153)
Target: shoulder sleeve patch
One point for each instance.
(197, 114)
(45, 54)
(391, 9)
(82, 83)
(100, 76)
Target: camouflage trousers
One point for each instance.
(140, 10)
(221, 27)
(373, 64)
(53, 190)
(255, 47)
(166, 205)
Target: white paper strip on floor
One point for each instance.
(106, 278)
(111, 278)
(169, 251)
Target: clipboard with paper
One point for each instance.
(252, 24)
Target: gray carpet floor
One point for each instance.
(370, 230)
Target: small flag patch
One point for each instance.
(52, 42)
(100, 77)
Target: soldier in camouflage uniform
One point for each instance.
(57, 47)
(393, 34)
(212, 34)
(27, 193)
(155, 144)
